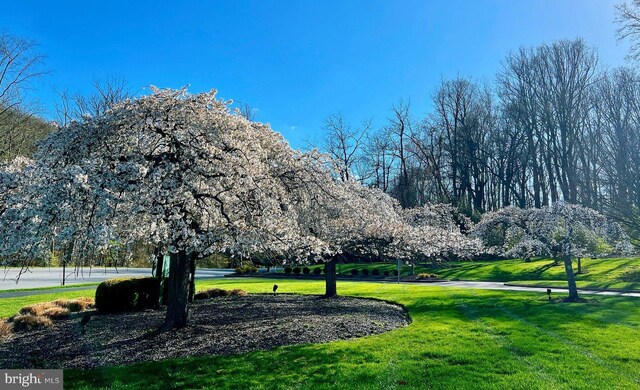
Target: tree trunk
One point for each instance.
(177, 308)
(330, 277)
(67, 258)
(571, 279)
(192, 277)
(64, 270)
(579, 265)
(160, 276)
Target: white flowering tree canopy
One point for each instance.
(173, 169)
(557, 230)
(348, 219)
(440, 231)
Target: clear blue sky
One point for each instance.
(298, 61)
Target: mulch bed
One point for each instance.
(219, 326)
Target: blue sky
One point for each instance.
(298, 61)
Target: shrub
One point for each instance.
(238, 293)
(58, 309)
(247, 269)
(127, 294)
(365, 272)
(200, 295)
(306, 270)
(37, 308)
(287, 270)
(375, 272)
(56, 313)
(88, 302)
(75, 305)
(218, 292)
(30, 322)
(317, 271)
(386, 273)
(354, 272)
(427, 276)
(395, 272)
(296, 270)
(5, 330)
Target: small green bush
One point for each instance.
(287, 270)
(296, 270)
(395, 272)
(386, 273)
(354, 272)
(365, 272)
(247, 269)
(127, 294)
(317, 271)
(306, 270)
(375, 272)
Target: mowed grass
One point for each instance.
(582, 284)
(11, 306)
(617, 273)
(459, 339)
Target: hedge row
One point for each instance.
(354, 271)
(127, 294)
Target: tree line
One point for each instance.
(553, 126)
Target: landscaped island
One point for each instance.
(219, 326)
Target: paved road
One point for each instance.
(52, 277)
(502, 286)
(43, 278)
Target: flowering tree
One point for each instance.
(339, 218)
(41, 209)
(441, 232)
(346, 219)
(178, 171)
(440, 215)
(562, 231)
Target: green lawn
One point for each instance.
(621, 274)
(582, 284)
(49, 287)
(10, 306)
(458, 339)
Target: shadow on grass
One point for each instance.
(442, 332)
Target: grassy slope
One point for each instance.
(597, 273)
(459, 339)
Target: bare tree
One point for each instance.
(20, 65)
(399, 128)
(344, 143)
(628, 21)
(379, 160)
(247, 111)
(105, 95)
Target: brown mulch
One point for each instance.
(219, 326)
